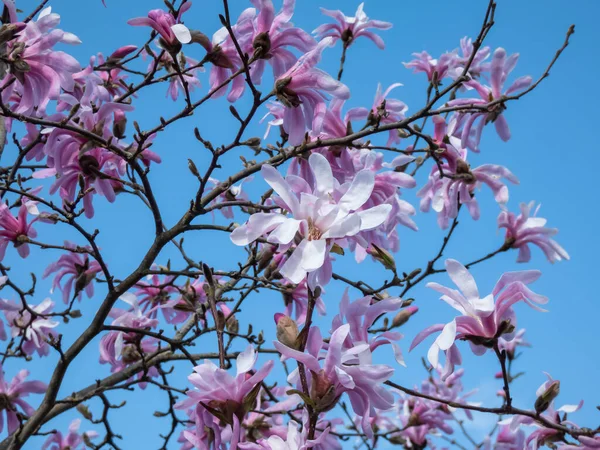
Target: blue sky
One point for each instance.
(551, 151)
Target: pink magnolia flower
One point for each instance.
(121, 348)
(483, 320)
(296, 301)
(478, 64)
(435, 69)
(500, 68)
(444, 193)
(506, 439)
(15, 230)
(232, 397)
(72, 441)
(526, 229)
(157, 291)
(89, 167)
(36, 329)
(421, 419)
(542, 436)
(37, 72)
(302, 89)
(292, 441)
(266, 36)
(78, 270)
(348, 29)
(510, 346)
(206, 432)
(172, 32)
(72, 156)
(386, 110)
(235, 192)
(387, 190)
(320, 216)
(105, 84)
(12, 394)
(272, 37)
(341, 372)
(360, 315)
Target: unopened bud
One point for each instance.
(252, 142)
(84, 411)
(121, 52)
(232, 325)
(265, 257)
(403, 315)
(119, 125)
(193, 168)
(543, 401)
(287, 330)
(383, 256)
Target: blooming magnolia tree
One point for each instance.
(335, 176)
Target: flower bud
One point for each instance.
(119, 125)
(121, 53)
(265, 257)
(403, 315)
(232, 325)
(550, 393)
(287, 330)
(193, 168)
(383, 256)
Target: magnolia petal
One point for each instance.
(182, 33)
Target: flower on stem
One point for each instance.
(510, 346)
(386, 110)
(505, 439)
(11, 398)
(272, 36)
(37, 72)
(35, 326)
(157, 291)
(121, 348)
(483, 320)
(469, 125)
(301, 90)
(78, 270)
(72, 441)
(478, 65)
(544, 406)
(348, 29)
(526, 229)
(16, 230)
(360, 315)
(225, 397)
(435, 69)
(296, 301)
(449, 187)
(172, 32)
(342, 372)
(321, 216)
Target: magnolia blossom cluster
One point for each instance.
(332, 191)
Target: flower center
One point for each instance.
(314, 234)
